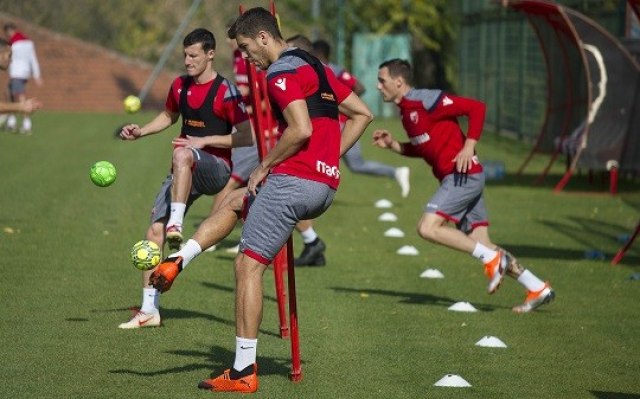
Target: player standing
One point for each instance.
(303, 175)
(429, 118)
(210, 107)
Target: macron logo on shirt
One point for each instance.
(447, 101)
(282, 83)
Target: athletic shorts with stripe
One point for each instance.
(244, 160)
(209, 175)
(459, 199)
(282, 202)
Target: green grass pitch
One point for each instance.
(369, 326)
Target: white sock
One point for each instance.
(26, 123)
(245, 353)
(150, 300)
(188, 252)
(309, 235)
(483, 253)
(12, 122)
(177, 213)
(530, 281)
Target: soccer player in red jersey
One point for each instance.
(429, 118)
(313, 252)
(210, 107)
(296, 180)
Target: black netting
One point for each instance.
(566, 95)
(613, 76)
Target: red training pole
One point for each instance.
(266, 138)
(626, 246)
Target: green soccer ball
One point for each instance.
(145, 255)
(103, 173)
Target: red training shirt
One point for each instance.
(289, 79)
(430, 118)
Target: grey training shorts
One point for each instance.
(245, 160)
(17, 87)
(282, 202)
(210, 175)
(459, 199)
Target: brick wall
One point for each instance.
(80, 76)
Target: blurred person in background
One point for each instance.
(23, 67)
(28, 105)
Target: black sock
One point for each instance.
(235, 374)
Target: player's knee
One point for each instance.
(247, 268)
(427, 232)
(234, 201)
(155, 233)
(182, 157)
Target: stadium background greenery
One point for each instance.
(370, 327)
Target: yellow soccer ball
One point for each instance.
(145, 255)
(132, 104)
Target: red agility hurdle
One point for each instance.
(264, 127)
(616, 259)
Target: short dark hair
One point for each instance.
(322, 48)
(252, 21)
(398, 67)
(301, 42)
(202, 36)
(9, 26)
(4, 43)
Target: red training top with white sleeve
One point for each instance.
(227, 105)
(288, 79)
(430, 118)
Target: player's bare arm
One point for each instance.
(359, 118)
(28, 106)
(162, 121)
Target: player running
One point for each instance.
(430, 120)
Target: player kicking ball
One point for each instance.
(298, 179)
(429, 118)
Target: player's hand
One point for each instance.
(31, 105)
(190, 142)
(130, 132)
(465, 158)
(256, 177)
(382, 138)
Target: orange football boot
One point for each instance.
(166, 272)
(224, 383)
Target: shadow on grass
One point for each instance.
(578, 184)
(413, 298)
(544, 252)
(591, 234)
(614, 395)
(217, 359)
(168, 314)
